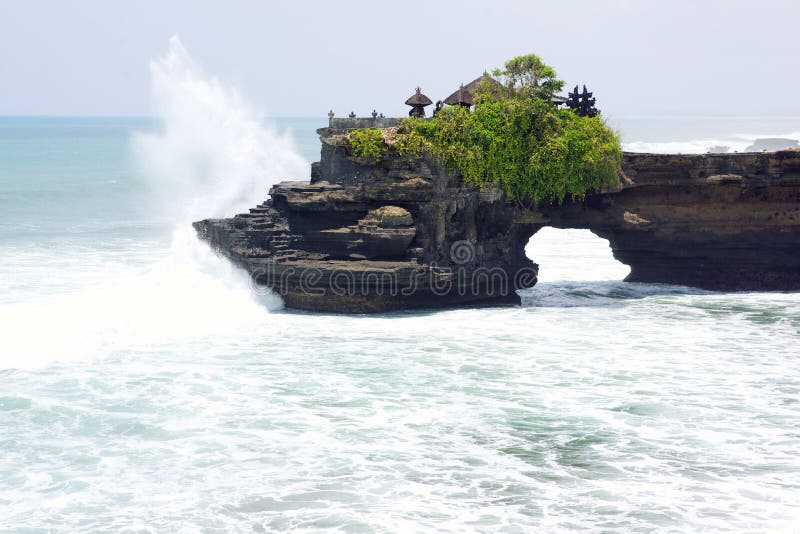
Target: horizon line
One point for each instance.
(324, 117)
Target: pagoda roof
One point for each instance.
(474, 84)
(470, 89)
(463, 96)
(418, 99)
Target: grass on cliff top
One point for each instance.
(368, 143)
(513, 137)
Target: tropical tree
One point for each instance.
(514, 137)
(529, 76)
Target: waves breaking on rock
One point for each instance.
(210, 154)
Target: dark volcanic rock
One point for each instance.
(405, 233)
(724, 222)
(365, 237)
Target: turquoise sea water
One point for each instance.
(145, 386)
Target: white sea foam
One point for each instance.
(697, 146)
(589, 256)
(736, 142)
(599, 404)
(187, 295)
(210, 157)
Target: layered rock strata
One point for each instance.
(715, 221)
(406, 233)
(369, 237)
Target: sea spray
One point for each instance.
(210, 157)
(633, 407)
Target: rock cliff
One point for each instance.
(406, 233)
(715, 221)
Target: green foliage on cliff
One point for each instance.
(368, 143)
(517, 138)
(529, 76)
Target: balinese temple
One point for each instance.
(462, 97)
(418, 101)
(484, 80)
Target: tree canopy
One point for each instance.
(515, 137)
(529, 76)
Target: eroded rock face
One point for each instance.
(405, 233)
(390, 217)
(716, 221)
(365, 237)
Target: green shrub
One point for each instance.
(368, 143)
(522, 142)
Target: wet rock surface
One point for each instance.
(716, 221)
(368, 237)
(402, 233)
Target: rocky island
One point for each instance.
(411, 213)
(406, 232)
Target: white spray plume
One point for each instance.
(211, 157)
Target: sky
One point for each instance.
(302, 58)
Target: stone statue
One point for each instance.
(374, 114)
(439, 106)
(352, 115)
(582, 103)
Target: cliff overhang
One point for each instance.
(364, 236)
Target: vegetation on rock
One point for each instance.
(368, 143)
(514, 137)
(517, 138)
(528, 76)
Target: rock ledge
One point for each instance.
(405, 233)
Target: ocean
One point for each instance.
(147, 386)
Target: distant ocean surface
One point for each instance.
(145, 386)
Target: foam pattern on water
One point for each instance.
(666, 411)
(145, 386)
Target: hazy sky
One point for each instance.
(301, 58)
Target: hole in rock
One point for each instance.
(574, 255)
